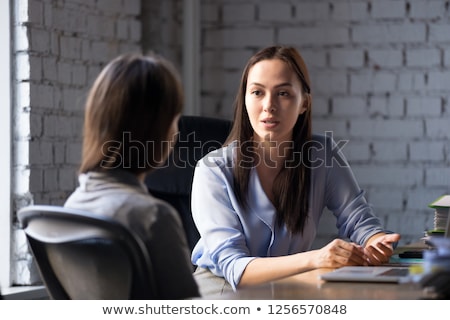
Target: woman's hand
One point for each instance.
(379, 248)
(339, 253)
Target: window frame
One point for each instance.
(5, 134)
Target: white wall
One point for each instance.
(5, 133)
(380, 71)
(60, 47)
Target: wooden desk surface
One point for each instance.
(308, 286)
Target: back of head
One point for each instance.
(128, 113)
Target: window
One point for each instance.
(5, 136)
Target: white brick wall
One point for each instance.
(388, 9)
(379, 70)
(59, 49)
(380, 78)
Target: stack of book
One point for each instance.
(441, 222)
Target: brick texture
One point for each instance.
(379, 68)
(59, 48)
(380, 79)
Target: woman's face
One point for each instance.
(170, 141)
(167, 145)
(172, 135)
(273, 100)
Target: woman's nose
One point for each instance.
(269, 104)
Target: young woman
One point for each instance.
(257, 202)
(131, 121)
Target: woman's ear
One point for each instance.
(306, 103)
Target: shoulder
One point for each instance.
(318, 146)
(146, 212)
(219, 158)
(149, 203)
(134, 208)
(215, 167)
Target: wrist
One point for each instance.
(373, 238)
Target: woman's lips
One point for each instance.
(269, 123)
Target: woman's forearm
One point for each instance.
(261, 270)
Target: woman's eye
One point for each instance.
(256, 92)
(283, 93)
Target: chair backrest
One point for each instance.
(198, 136)
(85, 256)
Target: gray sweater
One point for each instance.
(120, 195)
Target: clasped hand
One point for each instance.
(377, 250)
(380, 247)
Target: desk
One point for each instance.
(308, 286)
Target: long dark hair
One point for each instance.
(291, 187)
(128, 114)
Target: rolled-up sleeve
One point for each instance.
(355, 217)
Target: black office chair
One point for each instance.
(198, 136)
(85, 256)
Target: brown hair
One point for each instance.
(292, 184)
(128, 113)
